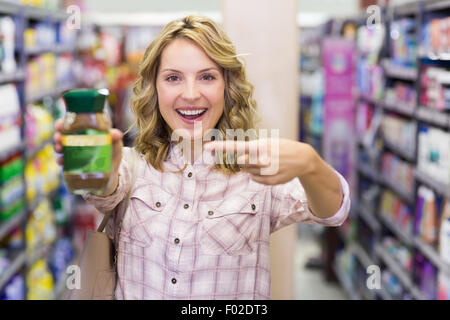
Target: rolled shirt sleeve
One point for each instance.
(290, 205)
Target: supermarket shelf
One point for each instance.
(399, 108)
(44, 14)
(60, 287)
(23, 260)
(55, 49)
(383, 293)
(400, 72)
(435, 5)
(433, 116)
(369, 218)
(31, 12)
(34, 204)
(10, 8)
(369, 172)
(17, 76)
(408, 198)
(368, 99)
(346, 284)
(406, 9)
(439, 187)
(15, 266)
(366, 261)
(17, 149)
(432, 255)
(402, 235)
(400, 151)
(399, 272)
(52, 93)
(39, 253)
(9, 225)
(427, 55)
(362, 255)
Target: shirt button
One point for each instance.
(253, 207)
(158, 204)
(174, 280)
(177, 241)
(190, 174)
(186, 206)
(210, 213)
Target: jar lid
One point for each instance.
(86, 100)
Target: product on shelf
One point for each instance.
(444, 252)
(39, 281)
(403, 94)
(434, 153)
(435, 89)
(435, 37)
(12, 188)
(364, 114)
(399, 252)
(10, 120)
(41, 229)
(444, 233)
(392, 284)
(7, 45)
(14, 289)
(42, 173)
(346, 265)
(399, 133)
(427, 215)
(65, 76)
(403, 42)
(398, 172)
(396, 212)
(370, 80)
(51, 5)
(41, 74)
(426, 275)
(39, 126)
(10, 247)
(60, 257)
(41, 35)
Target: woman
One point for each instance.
(198, 227)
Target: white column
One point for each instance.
(267, 31)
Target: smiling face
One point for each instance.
(190, 88)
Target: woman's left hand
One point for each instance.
(270, 161)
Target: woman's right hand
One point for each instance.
(117, 146)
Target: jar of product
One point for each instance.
(86, 142)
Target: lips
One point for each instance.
(191, 114)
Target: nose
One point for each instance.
(190, 90)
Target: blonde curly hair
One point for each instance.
(153, 137)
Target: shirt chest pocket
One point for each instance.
(230, 226)
(145, 215)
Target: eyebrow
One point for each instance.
(204, 70)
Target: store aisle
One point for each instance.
(310, 283)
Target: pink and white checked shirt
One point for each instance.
(200, 235)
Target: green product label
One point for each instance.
(87, 151)
(92, 159)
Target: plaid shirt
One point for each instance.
(199, 234)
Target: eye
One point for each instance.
(208, 77)
(172, 78)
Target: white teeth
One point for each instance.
(191, 112)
